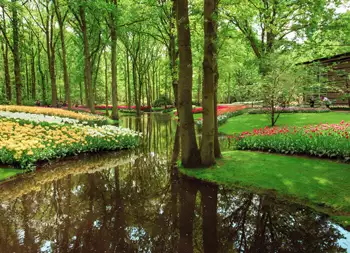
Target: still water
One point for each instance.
(137, 202)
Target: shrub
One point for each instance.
(162, 101)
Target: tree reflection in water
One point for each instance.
(139, 203)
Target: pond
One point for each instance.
(137, 202)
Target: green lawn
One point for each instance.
(248, 122)
(7, 173)
(315, 182)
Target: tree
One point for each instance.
(5, 50)
(61, 21)
(190, 155)
(209, 82)
(283, 83)
(113, 32)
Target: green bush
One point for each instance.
(162, 101)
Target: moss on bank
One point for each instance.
(321, 184)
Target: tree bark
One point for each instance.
(209, 65)
(128, 76)
(5, 50)
(113, 31)
(106, 83)
(42, 75)
(33, 74)
(190, 155)
(60, 20)
(87, 61)
(16, 54)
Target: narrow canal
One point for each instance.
(136, 202)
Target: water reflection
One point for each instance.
(136, 202)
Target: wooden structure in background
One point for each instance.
(335, 70)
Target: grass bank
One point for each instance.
(8, 173)
(249, 122)
(314, 182)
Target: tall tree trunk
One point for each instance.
(27, 79)
(33, 74)
(5, 50)
(106, 83)
(128, 76)
(199, 86)
(190, 155)
(67, 97)
(113, 30)
(217, 150)
(16, 53)
(208, 130)
(134, 77)
(87, 61)
(42, 75)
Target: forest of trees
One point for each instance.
(131, 52)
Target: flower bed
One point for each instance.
(340, 108)
(323, 140)
(23, 143)
(222, 118)
(224, 112)
(289, 110)
(53, 112)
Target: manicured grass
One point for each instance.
(7, 173)
(315, 182)
(248, 122)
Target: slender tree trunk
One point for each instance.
(67, 97)
(106, 83)
(42, 75)
(5, 50)
(229, 89)
(33, 74)
(113, 31)
(134, 77)
(190, 155)
(27, 79)
(128, 75)
(16, 54)
(81, 93)
(199, 86)
(87, 61)
(8, 89)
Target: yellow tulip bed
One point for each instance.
(23, 143)
(53, 112)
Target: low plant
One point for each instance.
(323, 140)
(340, 108)
(221, 118)
(23, 142)
(289, 110)
(34, 110)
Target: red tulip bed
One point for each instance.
(224, 112)
(323, 140)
